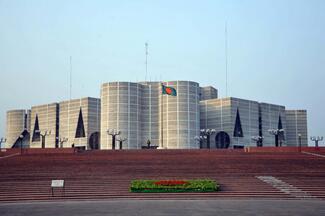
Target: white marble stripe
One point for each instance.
(285, 187)
(314, 154)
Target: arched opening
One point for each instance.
(94, 140)
(222, 140)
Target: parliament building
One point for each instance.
(132, 115)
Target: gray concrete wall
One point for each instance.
(47, 119)
(121, 110)
(248, 112)
(16, 122)
(220, 114)
(216, 114)
(270, 119)
(181, 116)
(296, 124)
(69, 114)
(208, 92)
(141, 112)
(135, 110)
(150, 113)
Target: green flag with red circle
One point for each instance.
(169, 90)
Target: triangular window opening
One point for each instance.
(80, 132)
(238, 131)
(36, 133)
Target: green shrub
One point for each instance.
(153, 186)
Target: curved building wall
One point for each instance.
(17, 122)
(120, 110)
(150, 113)
(181, 116)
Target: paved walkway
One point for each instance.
(166, 207)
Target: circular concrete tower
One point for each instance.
(180, 116)
(120, 111)
(18, 121)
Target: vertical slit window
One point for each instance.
(260, 125)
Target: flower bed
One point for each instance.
(172, 186)
(170, 182)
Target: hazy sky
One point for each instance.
(276, 49)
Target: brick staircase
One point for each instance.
(107, 174)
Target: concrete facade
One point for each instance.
(48, 120)
(181, 116)
(255, 120)
(271, 114)
(121, 110)
(18, 121)
(208, 92)
(296, 124)
(70, 112)
(137, 110)
(220, 114)
(141, 112)
(150, 106)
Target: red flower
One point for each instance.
(171, 182)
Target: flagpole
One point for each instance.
(162, 118)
